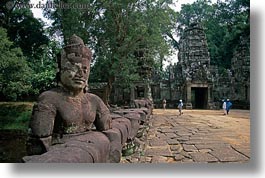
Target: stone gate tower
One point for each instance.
(194, 62)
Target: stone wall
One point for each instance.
(194, 70)
(240, 68)
(193, 55)
(234, 83)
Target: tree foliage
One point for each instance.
(44, 77)
(14, 70)
(23, 29)
(27, 39)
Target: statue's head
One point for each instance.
(74, 64)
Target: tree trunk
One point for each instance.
(107, 90)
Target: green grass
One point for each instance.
(15, 115)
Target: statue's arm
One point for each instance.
(103, 120)
(41, 125)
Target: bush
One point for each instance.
(15, 116)
(14, 70)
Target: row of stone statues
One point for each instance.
(70, 125)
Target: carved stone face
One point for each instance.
(74, 76)
(75, 64)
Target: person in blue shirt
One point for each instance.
(228, 106)
(180, 105)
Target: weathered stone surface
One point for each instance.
(211, 145)
(242, 149)
(91, 147)
(170, 135)
(187, 160)
(189, 148)
(114, 135)
(193, 55)
(172, 141)
(63, 155)
(176, 148)
(217, 145)
(228, 155)
(158, 151)
(146, 159)
(143, 115)
(240, 69)
(168, 130)
(159, 159)
(178, 157)
(135, 123)
(142, 103)
(183, 133)
(123, 126)
(115, 116)
(157, 142)
(205, 150)
(161, 136)
(205, 142)
(183, 139)
(203, 157)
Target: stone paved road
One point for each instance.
(201, 136)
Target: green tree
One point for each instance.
(23, 29)
(44, 77)
(28, 34)
(224, 22)
(116, 31)
(14, 70)
(233, 17)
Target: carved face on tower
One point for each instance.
(75, 64)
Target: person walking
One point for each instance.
(180, 106)
(224, 106)
(228, 106)
(164, 103)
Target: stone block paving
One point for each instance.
(198, 136)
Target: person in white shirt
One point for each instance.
(224, 107)
(180, 106)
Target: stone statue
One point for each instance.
(66, 114)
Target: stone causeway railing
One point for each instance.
(100, 147)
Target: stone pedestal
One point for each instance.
(188, 105)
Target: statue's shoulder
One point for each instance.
(93, 98)
(52, 95)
